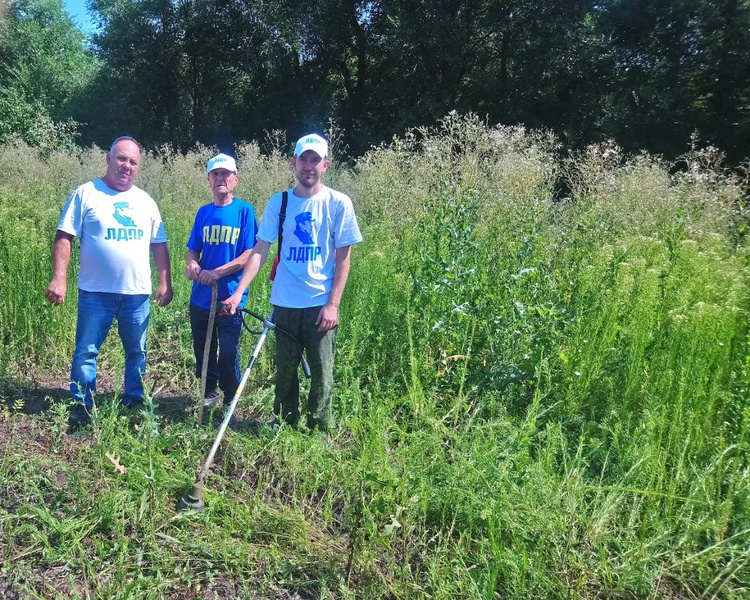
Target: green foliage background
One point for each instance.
(537, 397)
(219, 72)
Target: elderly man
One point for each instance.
(221, 240)
(310, 279)
(117, 224)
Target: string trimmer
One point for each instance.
(194, 498)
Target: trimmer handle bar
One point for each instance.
(267, 323)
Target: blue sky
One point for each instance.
(77, 10)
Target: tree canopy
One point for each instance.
(45, 66)
(181, 72)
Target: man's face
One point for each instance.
(309, 168)
(222, 181)
(306, 226)
(123, 161)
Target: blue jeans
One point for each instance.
(96, 312)
(224, 361)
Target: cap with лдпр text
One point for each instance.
(312, 142)
(221, 161)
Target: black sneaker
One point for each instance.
(211, 399)
(136, 404)
(79, 416)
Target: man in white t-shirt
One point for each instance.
(318, 231)
(118, 224)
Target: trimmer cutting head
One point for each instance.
(193, 500)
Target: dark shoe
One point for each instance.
(211, 399)
(232, 420)
(135, 405)
(79, 416)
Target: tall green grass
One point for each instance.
(537, 397)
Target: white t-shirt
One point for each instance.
(116, 230)
(313, 229)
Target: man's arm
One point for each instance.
(208, 276)
(192, 266)
(328, 316)
(254, 264)
(163, 268)
(60, 260)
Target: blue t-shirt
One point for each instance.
(220, 234)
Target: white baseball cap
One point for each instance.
(221, 161)
(312, 142)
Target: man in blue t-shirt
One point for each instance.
(220, 242)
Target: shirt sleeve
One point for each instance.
(346, 228)
(158, 231)
(71, 220)
(195, 241)
(269, 222)
(250, 229)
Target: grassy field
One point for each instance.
(542, 390)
